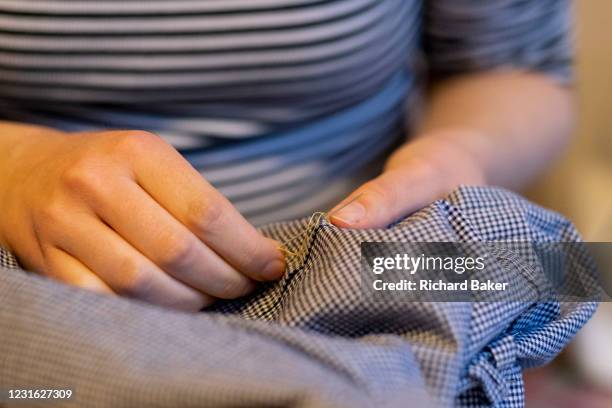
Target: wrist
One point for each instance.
(19, 143)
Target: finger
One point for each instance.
(125, 270)
(150, 229)
(64, 267)
(385, 199)
(182, 191)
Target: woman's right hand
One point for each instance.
(123, 212)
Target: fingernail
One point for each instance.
(274, 270)
(351, 214)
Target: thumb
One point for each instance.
(385, 199)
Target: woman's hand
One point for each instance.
(415, 175)
(123, 212)
(501, 127)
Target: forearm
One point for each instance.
(511, 124)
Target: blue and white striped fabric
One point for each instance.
(284, 105)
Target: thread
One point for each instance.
(313, 223)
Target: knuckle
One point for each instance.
(253, 254)
(381, 189)
(84, 175)
(206, 302)
(234, 288)
(52, 213)
(134, 141)
(178, 251)
(383, 193)
(191, 303)
(136, 280)
(203, 216)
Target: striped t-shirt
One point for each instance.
(283, 105)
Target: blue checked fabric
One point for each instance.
(310, 340)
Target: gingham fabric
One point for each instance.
(310, 340)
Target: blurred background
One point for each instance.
(580, 187)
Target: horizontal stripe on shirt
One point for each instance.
(284, 105)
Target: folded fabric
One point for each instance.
(310, 340)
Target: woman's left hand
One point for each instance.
(415, 175)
